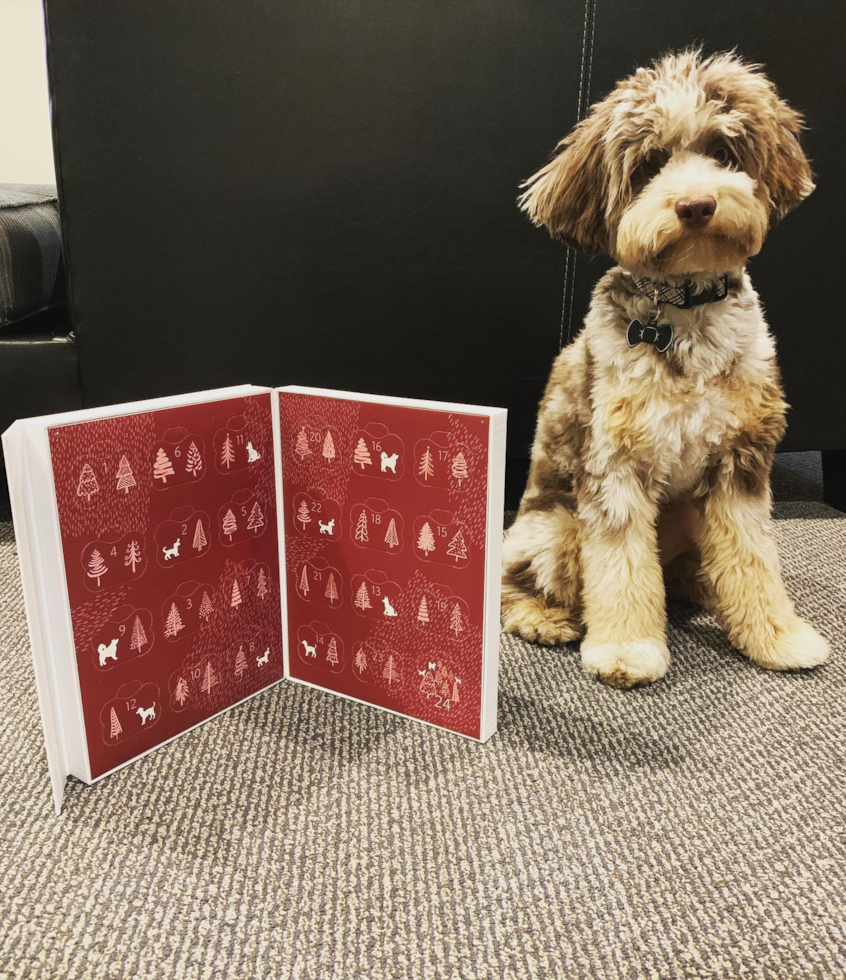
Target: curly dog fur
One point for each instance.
(650, 471)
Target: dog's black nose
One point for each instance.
(696, 212)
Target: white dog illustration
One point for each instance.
(326, 528)
(309, 651)
(146, 714)
(389, 462)
(172, 552)
(253, 455)
(108, 651)
(389, 609)
(262, 660)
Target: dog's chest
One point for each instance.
(671, 431)
(685, 433)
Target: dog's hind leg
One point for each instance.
(678, 534)
(684, 581)
(541, 582)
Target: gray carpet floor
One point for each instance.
(696, 828)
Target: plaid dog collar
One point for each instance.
(682, 296)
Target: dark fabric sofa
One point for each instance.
(39, 367)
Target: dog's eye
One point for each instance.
(723, 155)
(653, 163)
(649, 167)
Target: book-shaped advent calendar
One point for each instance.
(183, 554)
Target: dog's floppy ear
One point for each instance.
(786, 172)
(568, 195)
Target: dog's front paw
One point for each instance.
(626, 664)
(797, 648)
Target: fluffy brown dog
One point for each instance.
(656, 433)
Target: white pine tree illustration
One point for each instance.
(426, 467)
(331, 592)
(199, 536)
(230, 525)
(304, 586)
(133, 555)
(457, 547)
(116, 727)
(426, 539)
(209, 679)
(423, 610)
(124, 475)
(361, 456)
(194, 461)
(427, 685)
(456, 623)
(240, 661)
(97, 567)
(162, 468)
(139, 636)
(206, 607)
(303, 516)
(261, 588)
(174, 623)
(361, 527)
(328, 446)
(459, 467)
(302, 448)
(181, 692)
(332, 651)
(362, 597)
(446, 682)
(361, 660)
(236, 594)
(256, 518)
(227, 452)
(390, 673)
(391, 538)
(87, 485)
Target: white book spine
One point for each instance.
(26, 536)
(493, 571)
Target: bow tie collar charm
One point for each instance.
(660, 335)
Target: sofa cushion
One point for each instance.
(39, 373)
(31, 271)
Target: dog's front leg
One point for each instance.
(740, 562)
(623, 592)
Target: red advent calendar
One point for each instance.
(181, 555)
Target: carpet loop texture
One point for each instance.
(695, 828)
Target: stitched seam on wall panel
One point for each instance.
(564, 298)
(584, 105)
(585, 75)
(578, 117)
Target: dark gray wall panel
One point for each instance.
(323, 191)
(319, 191)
